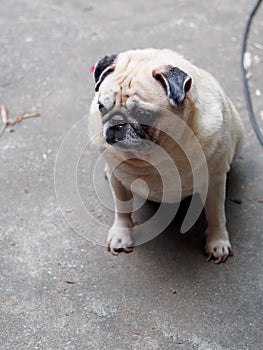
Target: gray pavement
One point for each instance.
(60, 291)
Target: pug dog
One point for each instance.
(150, 99)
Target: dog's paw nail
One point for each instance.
(210, 256)
(218, 250)
(222, 259)
(127, 249)
(120, 240)
(113, 251)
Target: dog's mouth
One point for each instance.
(129, 136)
(131, 130)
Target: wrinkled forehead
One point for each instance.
(131, 82)
(113, 100)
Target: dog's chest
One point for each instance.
(162, 182)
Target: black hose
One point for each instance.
(244, 72)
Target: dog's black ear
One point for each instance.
(175, 82)
(102, 68)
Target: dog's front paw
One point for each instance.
(218, 248)
(119, 239)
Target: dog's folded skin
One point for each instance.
(142, 97)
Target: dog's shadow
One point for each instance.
(171, 240)
(189, 245)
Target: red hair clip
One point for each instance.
(92, 69)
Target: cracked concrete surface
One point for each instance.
(60, 291)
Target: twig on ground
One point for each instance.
(6, 122)
(4, 116)
(21, 117)
(2, 129)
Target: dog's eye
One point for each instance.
(144, 116)
(101, 106)
(147, 114)
(140, 113)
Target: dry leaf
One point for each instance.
(247, 60)
(248, 75)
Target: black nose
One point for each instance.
(115, 133)
(117, 129)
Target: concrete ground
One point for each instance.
(58, 290)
